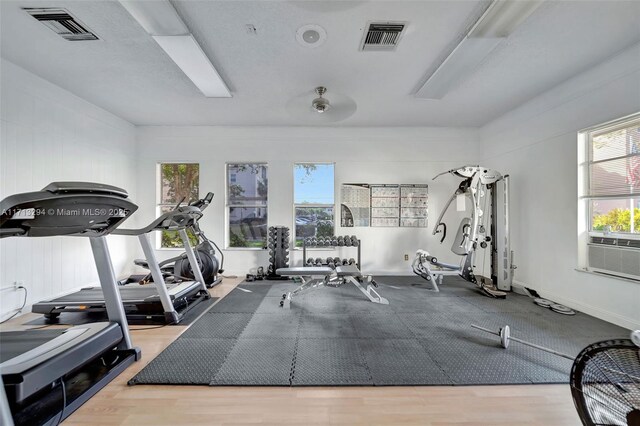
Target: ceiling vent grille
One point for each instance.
(382, 36)
(62, 23)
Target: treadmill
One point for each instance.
(48, 374)
(156, 301)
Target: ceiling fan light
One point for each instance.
(321, 105)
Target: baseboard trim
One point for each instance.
(594, 311)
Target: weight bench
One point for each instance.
(432, 270)
(318, 276)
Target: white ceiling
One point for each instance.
(127, 73)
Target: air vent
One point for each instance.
(62, 23)
(614, 260)
(382, 36)
(620, 242)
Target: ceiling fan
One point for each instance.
(317, 107)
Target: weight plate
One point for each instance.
(505, 333)
(543, 302)
(561, 309)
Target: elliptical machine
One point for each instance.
(487, 229)
(208, 254)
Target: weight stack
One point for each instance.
(278, 245)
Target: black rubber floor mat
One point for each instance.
(330, 362)
(258, 362)
(187, 361)
(337, 337)
(401, 361)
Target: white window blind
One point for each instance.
(614, 161)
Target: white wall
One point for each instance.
(537, 145)
(48, 134)
(361, 155)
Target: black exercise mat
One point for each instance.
(79, 318)
(337, 337)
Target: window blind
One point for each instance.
(614, 161)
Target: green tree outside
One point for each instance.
(180, 182)
(617, 220)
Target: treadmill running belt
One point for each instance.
(95, 294)
(14, 343)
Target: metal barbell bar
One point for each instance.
(506, 337)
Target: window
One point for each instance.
(313, 196)
(178, 182)
(613, 178)
(247, 205)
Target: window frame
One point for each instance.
(228, 206)
(313, 205)
(159, 205)
(587, 135)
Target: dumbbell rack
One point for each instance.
(304, 250)
(278, 244)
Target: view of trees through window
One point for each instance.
(314, 200)
(247, 188)
(616, 215)
(614, 180)
(179, 182)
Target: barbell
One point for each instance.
(506, 338)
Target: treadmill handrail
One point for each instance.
(179, 218)
(85, 188)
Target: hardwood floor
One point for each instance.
(119, 404)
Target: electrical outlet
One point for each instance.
(406, 257)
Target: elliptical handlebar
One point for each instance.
(203, 202)
(180, 217)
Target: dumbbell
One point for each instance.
(310, 261)
(334, 241)
(354, 241)
(352, 261)
(331, 265)
(318, 261)
(337, 261)
(340, 240)
(329, 260)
